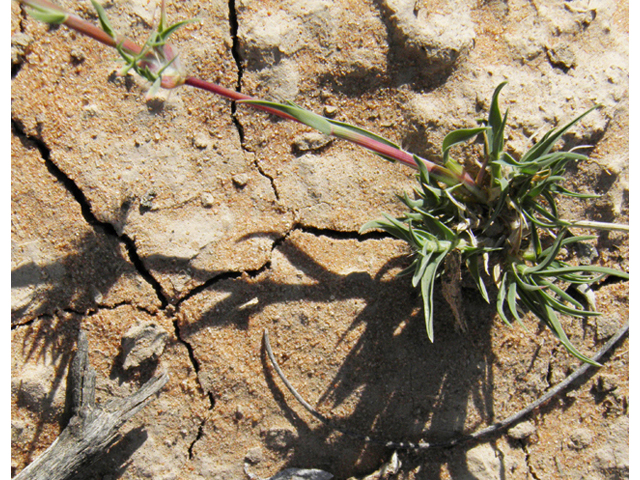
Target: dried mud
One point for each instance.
(215, 223)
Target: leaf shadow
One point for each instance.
(394, 383)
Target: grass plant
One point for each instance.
(502, 224)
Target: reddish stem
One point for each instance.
(231, 95)
(80, 25)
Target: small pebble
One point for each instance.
(239, 414)
(201, 141)
(581, 438)
(562, 56)
(240, 180)
(280, 438)
(19, 45)
(142, 342)
(522, 430)
(146, 202)
(90, 111)
(607, 326)
(77, 55)
(311, 141)
(254, 456)
(606, 383)
(330, 111)
(206, 199)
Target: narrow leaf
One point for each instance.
(47, 15)
(585, 268)
(495, 117)
(502, 293)
(549, 140)
(426, 284)
(166, 33)
(306, 117)
(550, 256)
(473, 265)
(511, 301)
(421, 267)
(556, 327)
(364, 132)
(104, 20)
(459, 136)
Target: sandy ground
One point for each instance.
(207, 228)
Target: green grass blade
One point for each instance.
(104, 20)
(556, 327)
(584, 268)
(512, 301)
(459, 136)
(550, 256)
(304, 116)
(364, 132)
(391, 226)
(426, 284)
(568, 193)
(549, 140)
(473, 265)
(47, 15)
(557, 305)
(166, 33)
(495, 117)
(423, 263)
(522, 280)
(502, 294)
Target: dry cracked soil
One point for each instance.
(176, 230)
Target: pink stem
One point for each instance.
(363, 140)
(78, 24)
(232, 95)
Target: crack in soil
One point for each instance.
(28, 323)
(212, 281)
(108, 229)
(235, 48)
(334, 234)
(198, 437)
(268, 177)
(317, 232)
(235, 52)
(341, 235)
(527, 461)
(87, 213)
(196, 368)
(85, 313)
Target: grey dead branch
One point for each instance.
(92, 428)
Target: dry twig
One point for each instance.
(475, 436)
(92, 428)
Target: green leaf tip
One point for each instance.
(104, 20)
(46, 14)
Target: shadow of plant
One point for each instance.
(394, 383)
(78, 281)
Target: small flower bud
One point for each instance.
(163, 62)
